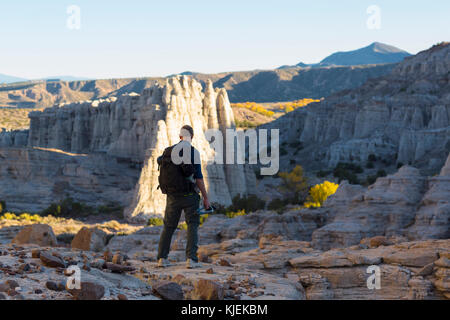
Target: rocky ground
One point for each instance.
(261, 263)
(398, 226)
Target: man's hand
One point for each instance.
(201, 185)
(206, 203)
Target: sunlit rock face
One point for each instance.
(135, 129)
(403, 117)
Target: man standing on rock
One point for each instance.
(181, 178)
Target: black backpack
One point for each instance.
(173, 179)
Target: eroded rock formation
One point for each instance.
(403, 204)
(132, 130)
(403, 117)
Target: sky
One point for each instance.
(140, 38)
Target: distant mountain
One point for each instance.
(66, 78)
(10, 79)
(256, 85)
(298, 65)
(185, 73)
(376, 53)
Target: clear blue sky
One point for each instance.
(156, 38)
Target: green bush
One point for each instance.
(343, 172)
(370, 165)
(322, 174)
(113, 209)
(68, 208)
(358, 169)
(371, 180)
(372, 158)
(155, 222)
(2, 206)
(241, 206)
(250, 203)
(278, 205)
(381, 173)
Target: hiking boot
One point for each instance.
(191, 264)
(163, 263)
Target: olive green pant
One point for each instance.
(175, 205)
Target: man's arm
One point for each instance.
(201, 185)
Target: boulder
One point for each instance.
(51, 260)
(169, 290)
(40, 234)
(412, 258)
(87, 291)
(89, 239)
(205, 289)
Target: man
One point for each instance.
(179, 182)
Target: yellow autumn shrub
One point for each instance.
(255, 107)
(319, 193)
(291, 106)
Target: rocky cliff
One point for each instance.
(131, 130)
(403, 117)
(404, 204)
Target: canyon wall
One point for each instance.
(135, 129)
(403, 117)
(404, 204)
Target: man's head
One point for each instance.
(187, 133)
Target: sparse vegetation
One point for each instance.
(294, 184)
(372, 158)
(322, 174)
(370, 165)
(70, 208)
(279, 205)
(22, 217)
(381, 173)
(234, 214)
(153, 222)
(255, 107)
(249, 203)
(241, 206)
(347, 171)
(245, 124)
(2, 206)
(15, 119)
(373, 178)
(291, 106)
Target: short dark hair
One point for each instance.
(189, 129)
